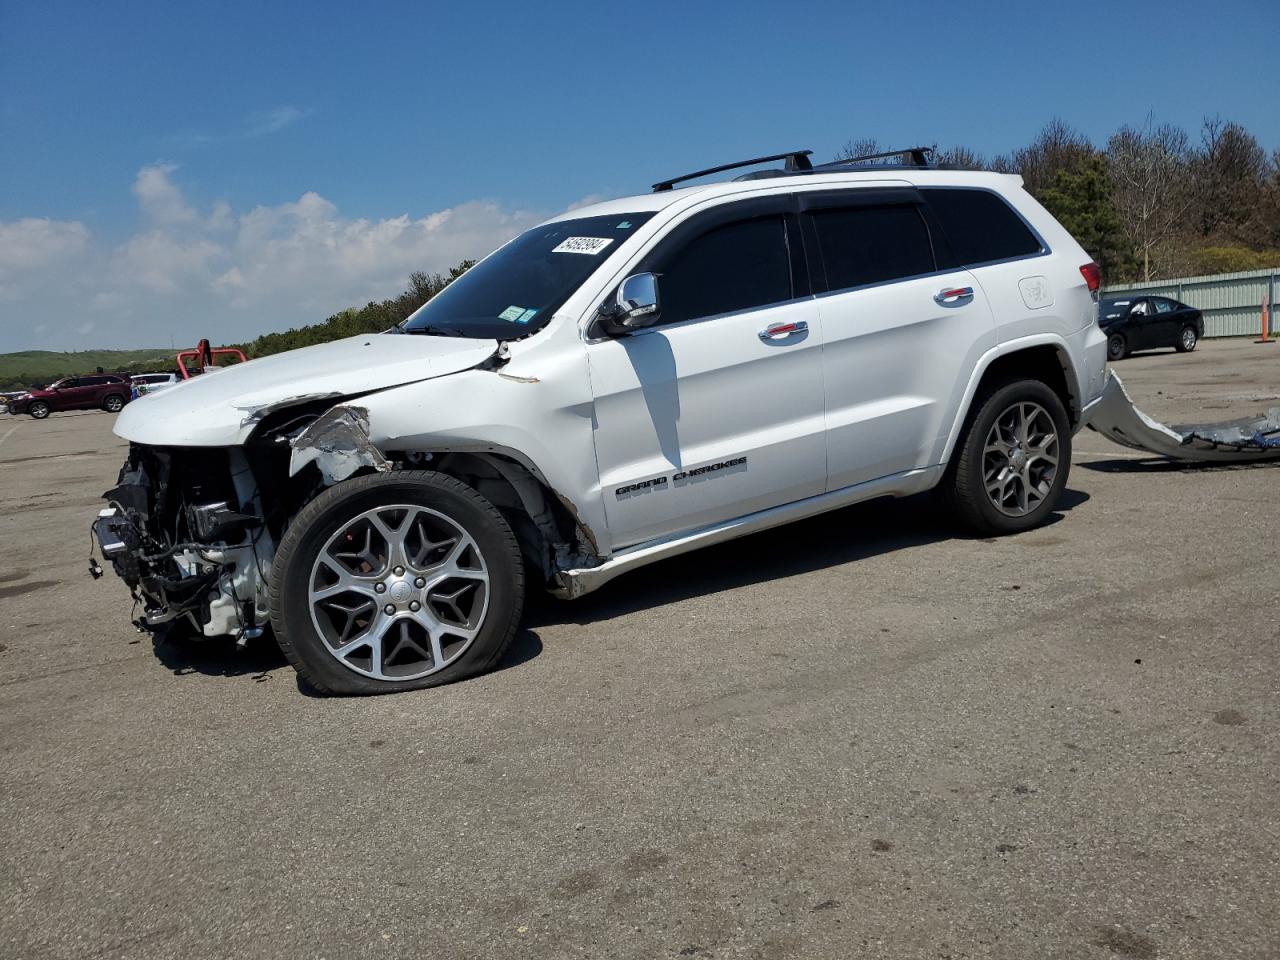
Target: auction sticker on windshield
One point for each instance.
(588, 245)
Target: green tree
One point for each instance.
(1080, 197)
(371, 318)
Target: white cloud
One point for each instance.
(272, 121)
(260, 123)
(189, 273)
(158, 196)
(32, 243)
(34, 251)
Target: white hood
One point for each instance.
(217, 408)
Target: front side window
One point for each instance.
(864, 245)
(981, 226)
(1163, 306)
(518, 289)
(739, 266)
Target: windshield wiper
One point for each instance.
(431, 330)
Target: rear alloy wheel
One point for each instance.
(1187, 340)
(38, 409)
(113, 403)
(395, 582)
(1014, 461)
(1117, 347)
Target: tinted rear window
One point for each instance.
(981, 226)
(862, 245)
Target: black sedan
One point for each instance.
(1144, 323)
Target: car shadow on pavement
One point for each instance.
(1161, 465)
(843, 536)
(219, 657)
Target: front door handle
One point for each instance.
(954, 296)
(776, 331)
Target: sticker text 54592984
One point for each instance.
(588, 245)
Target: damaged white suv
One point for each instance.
(628, 381)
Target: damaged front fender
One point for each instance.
(338, 443)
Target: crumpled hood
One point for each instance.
(218, 409)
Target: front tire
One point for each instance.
(38, 410)
(396, 582)
(1187, 340)
(1013, 462)
(1117, 347)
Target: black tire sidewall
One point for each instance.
(316, 523)
(38, 410)
(106, 404)
(989, 518)
(1124, 346)
(1195, 340)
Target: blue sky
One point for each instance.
(222, 169)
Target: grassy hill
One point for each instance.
(28, 367)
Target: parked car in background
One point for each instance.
(1147, 323)
(7, 398)
(151, 382)
(103, 391)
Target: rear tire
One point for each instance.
(1117, 347)
(113, 403)
(1013, 461)
(38, 410)
(394, 582)
(1187, 340)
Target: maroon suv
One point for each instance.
(103, 391)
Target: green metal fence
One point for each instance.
(1231, 302)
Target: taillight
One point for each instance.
(1092, 274)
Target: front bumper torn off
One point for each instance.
(1233, 441)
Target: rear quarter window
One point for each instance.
(981, 226)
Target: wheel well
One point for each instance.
(1045, 363)
(550, 535)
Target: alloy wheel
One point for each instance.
(1188, 339)
(1020, 459)
(399, 592)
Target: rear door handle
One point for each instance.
(954, 296)
(776, 331)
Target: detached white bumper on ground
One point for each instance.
(1248, 439)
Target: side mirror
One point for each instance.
(636, 306)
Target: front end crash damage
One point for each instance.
(186, 531)
(338, 443)
(193, 530)
(1234, 441)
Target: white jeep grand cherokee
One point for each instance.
(626, 382)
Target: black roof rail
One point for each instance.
(796, 161)
(919, 157)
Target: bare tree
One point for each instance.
(1230, 173)
(857, 148)
(962, 158)
(1057, 148)
(1150, 186)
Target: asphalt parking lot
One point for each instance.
(860, 736)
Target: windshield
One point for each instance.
(1110, 309)
(518, 289)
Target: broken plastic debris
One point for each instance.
(1240, 441)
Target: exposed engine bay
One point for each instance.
(185, 528)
